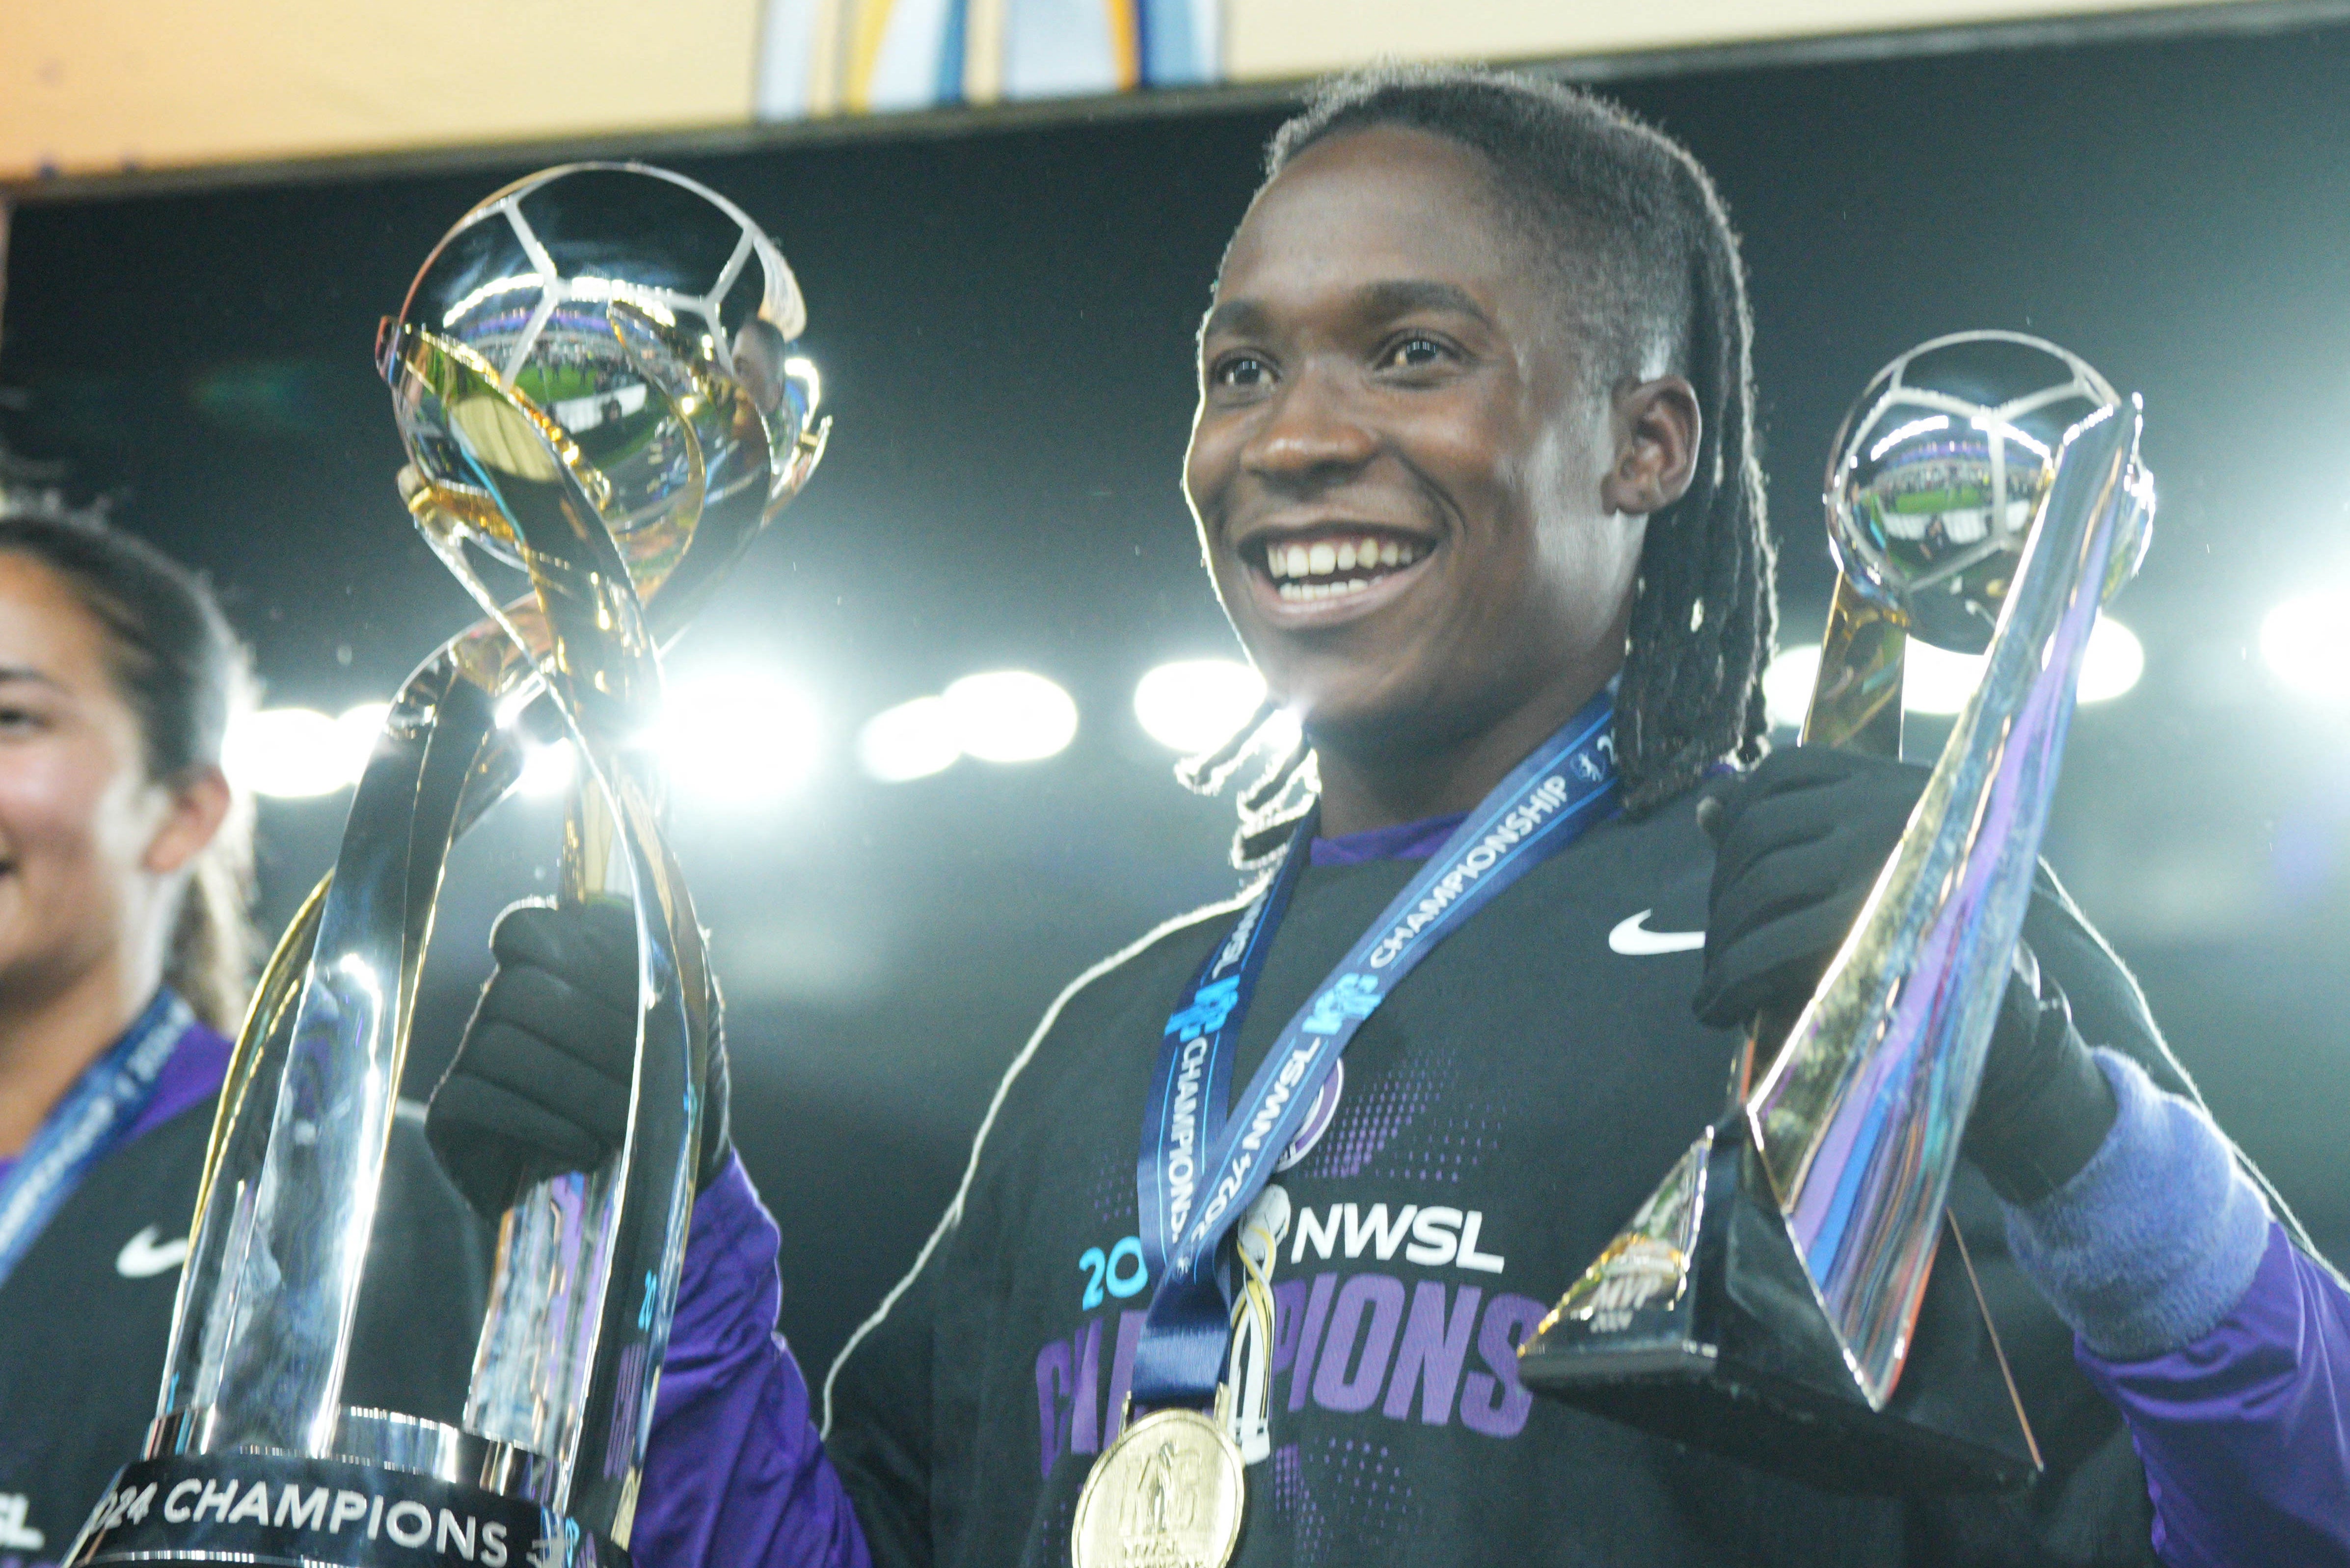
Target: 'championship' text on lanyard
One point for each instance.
(1567, 784)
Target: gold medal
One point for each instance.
(1167, 1493)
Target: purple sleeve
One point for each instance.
(2226, 1349)
(2245, 1433)
(735, 1476)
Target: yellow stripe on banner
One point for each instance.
(1125, 42)
(983, 51)
(824, 57)
(872, 27)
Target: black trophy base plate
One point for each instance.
(1744, 1363)
(289, 1512)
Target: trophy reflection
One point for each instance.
(1776, 1298)
(593, 379)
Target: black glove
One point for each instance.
(540, 1083)
(1799, 842)
(2043, 1105)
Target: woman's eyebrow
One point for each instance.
(1403, 297)
(1372, 302)
(27, 672)
(1241, 316)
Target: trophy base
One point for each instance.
(1713, 1336)
(286, 1512)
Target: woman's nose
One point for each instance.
(1309, 434)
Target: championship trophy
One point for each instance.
(592, 379)
(1776, 1298)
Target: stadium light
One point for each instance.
(910, 740)
(2112, 662)
(739, 735)
(2305, 643)
(287, 754)
(1010, 716)
(1938, 682)
(356, 728)
(1194, 704)
(1787, 684)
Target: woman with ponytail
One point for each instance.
(126, 958)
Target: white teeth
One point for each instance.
(1291, 565)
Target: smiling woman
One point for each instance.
(124, 959)
(1531, 434)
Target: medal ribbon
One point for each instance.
(1189, 1200)
(87, 1125)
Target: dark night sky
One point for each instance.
(1003, 319)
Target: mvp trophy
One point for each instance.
(591, 379)
(1776, 1298)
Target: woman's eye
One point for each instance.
(1242, 370)
(1415, 353)
(12, 719)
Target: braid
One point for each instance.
(1650, 265)
(1706, 613)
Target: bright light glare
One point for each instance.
(803, 371)
(1787, 684)
(547, 771)
(2305, 642)
(1010, 716)
(286, 752)
(738, 737)
(1195, 704)
(2112, 662)
(1936, 681)
(357, 729)
(912, 741)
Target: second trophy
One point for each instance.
(1778, 1297)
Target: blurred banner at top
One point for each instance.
(101, 87)
(825, 56)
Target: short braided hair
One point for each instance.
(1643, 247)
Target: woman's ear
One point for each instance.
(199, 803)
(1658, 428)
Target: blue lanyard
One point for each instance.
(1200, 1168)
(88, 1122)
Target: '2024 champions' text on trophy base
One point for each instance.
(1776, 1299)
(593, 379)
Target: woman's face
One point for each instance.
(90, 847)
(1422, 506)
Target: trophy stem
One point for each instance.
(1857, 1121)
(1856, 702)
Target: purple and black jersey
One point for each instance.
(85, 1315)
(1499, 1116)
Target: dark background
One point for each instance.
(1004, 318)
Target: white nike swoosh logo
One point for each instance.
(142, 1258)
(1633, 939)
